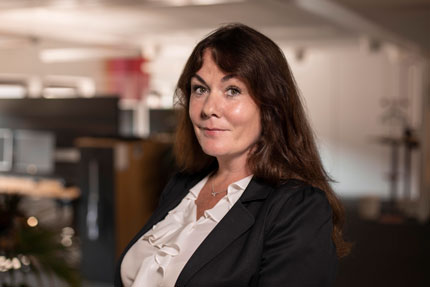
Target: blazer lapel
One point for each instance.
(180, 191)
(237, 220)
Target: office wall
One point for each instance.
(348, 92)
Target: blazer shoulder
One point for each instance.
(297, 197)
(295, 189)
(297, 247)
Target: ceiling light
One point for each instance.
(191, 2)
(79, 54)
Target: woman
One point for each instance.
(252, 205)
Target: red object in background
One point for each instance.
(126, 77)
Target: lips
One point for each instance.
(212, 131)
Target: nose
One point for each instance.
(211, 106)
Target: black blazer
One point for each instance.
(270, 237)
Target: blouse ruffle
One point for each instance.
(169, 236)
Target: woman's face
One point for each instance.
(225, 118)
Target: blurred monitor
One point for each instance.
(162, 121)
(6, 150)
(126, 122)
(34, 152)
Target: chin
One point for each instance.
(213, 151)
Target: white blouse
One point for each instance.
(159, 256)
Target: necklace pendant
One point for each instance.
(214, 193)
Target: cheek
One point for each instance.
(255, 126)
(238, 113)
(193, 111)
(246, 115)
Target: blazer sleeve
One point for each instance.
(298, 249)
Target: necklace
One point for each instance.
(214, 193)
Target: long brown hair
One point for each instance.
(286, 148)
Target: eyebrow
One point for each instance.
(200, 79)
(224, 79)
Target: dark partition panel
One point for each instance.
(67, 118)
(96, 214)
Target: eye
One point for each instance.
(198, 89)
(233, 91)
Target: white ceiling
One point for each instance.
(131, 23)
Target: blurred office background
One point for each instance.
(87, 115)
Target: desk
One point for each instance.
(38, 188)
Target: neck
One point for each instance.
(232, 169)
